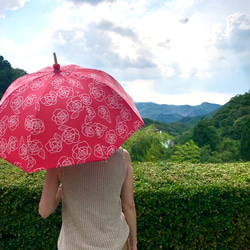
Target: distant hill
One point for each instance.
(172, 113)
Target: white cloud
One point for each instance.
(231, 45)
(238, 31)
(31, 57)
(11, 5)
(125, 35)
(112, 35)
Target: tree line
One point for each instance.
(8, 74)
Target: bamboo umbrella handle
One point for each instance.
(55, 59)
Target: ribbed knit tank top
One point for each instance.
(92, 217)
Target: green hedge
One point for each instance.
(179, 206)
(21, 227)
(193, 206)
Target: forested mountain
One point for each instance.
(171, 113)
(8, 74)
(220, 137)
(231, 119)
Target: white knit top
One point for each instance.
(92, 216)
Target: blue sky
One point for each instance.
(167, 52)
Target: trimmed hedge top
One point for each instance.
(151, 174)
(11, 175)
(189, 175)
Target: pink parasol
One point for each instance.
(61, 116)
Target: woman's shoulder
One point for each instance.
(122, 151)
(125, 153)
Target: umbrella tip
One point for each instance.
(56, 66)
(55, 59)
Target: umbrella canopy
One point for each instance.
(61, 116)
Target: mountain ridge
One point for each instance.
(169, 113)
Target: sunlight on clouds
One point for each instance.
(61, 17)
(156, 27)
(115, 12)
(165, 70)
(31, 57)
(142, 91)
(237, 22)
(139, 90)
(43, 38)
(11, 5)
(184, 3)
(189, 48)
(196, 98)
(12, 49)
(159, 32)
(9, 45)
(70, 15)
(123, 46)
(171, 41)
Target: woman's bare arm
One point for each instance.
(51, 195)
(128, 203)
